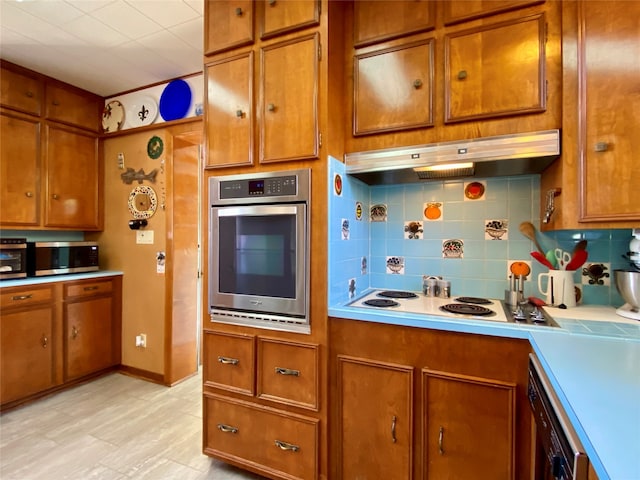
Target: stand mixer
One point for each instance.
(628, 281)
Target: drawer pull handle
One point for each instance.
(228, 360)
(22, 297)
(393, 429)
(287, 371)
(227, 428)
(287, 446)
(441, 441)
(44, 341)
(88, 289)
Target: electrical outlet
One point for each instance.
(121, 161)
(141, 340)
(144, 237)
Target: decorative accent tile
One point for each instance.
(433, 211)
(474, 191)
(519, 267)
(363, 265)
(413, 230)
(337, 185)
(395, 265)
(346, 233)
(352, 288)
(453, 248)
(378, 212)
(358, 211)
(496, 229)
(596, 274)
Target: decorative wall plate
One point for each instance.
(155, 147)
(142, 202)
(142, 112)
(175, 100)
(112, 116)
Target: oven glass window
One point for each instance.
(12, 260)
(258, 255)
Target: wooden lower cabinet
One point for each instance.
(412, 403)
(264, 440)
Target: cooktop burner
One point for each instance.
(467, 309)
(381, 302)
(396, 294)
(475, 300)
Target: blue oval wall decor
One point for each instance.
(175, 100)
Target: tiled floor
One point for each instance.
(113, 428)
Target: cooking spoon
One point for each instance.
(529, 230)
(577, 260)
(581, 245)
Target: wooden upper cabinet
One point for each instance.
(21, 91)
(229, 111)
(461, 11)
(289, 100)
(495, 70)
(73, 179)
(228, 24)
(608, 108)
(379, 20)
(19, 170)
(67, 105)
(375, 417)
(388, 97)
(469, 426)
(282, 16)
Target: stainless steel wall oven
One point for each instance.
(258, 249)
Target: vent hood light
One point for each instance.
(482, 157)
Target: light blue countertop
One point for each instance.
(594, 368)
(21, 282)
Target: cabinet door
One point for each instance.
(281, 16)
(388, 98)
(72, 182)
(228, 24)
(289, 100)
(456, 12)
(21, 92)
(468, 427)
(19, 170)
(495, 70)
(229, 112)
(380, 20)
(88, 330)
(609, 105)
(67, 105)
(375, 419)
(26, 352)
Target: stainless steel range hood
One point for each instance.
(481, 157)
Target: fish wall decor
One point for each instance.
(130, 175)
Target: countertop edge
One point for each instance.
(25, 282)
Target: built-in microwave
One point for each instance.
(56, 258)
(258, 250)
(13, 258)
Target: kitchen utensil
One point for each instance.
(542, 259)
(581, 245)
(562, 258)
(628, 286)
(529, 231)
(577, 260)
(559, 289)
(551, 256)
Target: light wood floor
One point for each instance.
(113, 428)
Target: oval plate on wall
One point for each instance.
(175, 100)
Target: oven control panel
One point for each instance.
(259, 187)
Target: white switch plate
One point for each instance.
(144, 237)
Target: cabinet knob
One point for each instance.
(55, 196)
(55, 103)
(417, 83)
(272, 2)
(287, 446)
(239, 113)
(601, 147)
(462, 74)
(239, 12)
(74, 332)
(271, 107)
(29, 94)
(29, 194)
(44, 341)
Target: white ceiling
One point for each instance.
(104, 46)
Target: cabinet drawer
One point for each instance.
(21, 92)
(278, 442)
(86, 289)
(68, 106)
(20, 297)
(229, 362)
(288, 372)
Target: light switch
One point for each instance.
(144, 237)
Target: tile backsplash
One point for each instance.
(465, 230)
